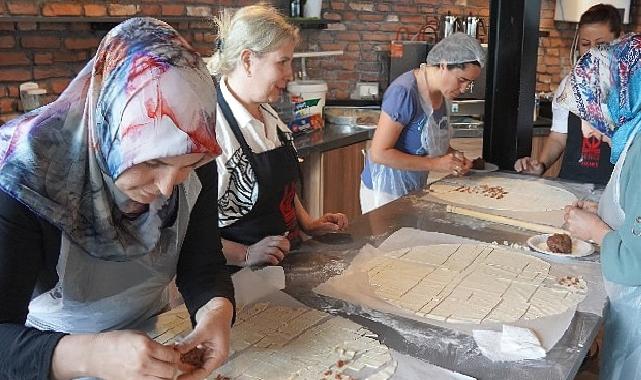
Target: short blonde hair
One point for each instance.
(259, 28)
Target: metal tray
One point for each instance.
(351, 115)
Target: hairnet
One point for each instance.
(457, 48)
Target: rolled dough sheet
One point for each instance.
(353, 286)
(534, 200)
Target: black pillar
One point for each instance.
(511, 80)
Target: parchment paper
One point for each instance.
(353, 286)
(254, 286)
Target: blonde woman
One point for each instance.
(260, 213)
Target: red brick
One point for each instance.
(57, 86)
(23, 8)
(53, 26)
(383, 7)
(172, 10)
(70, 56)
(405, 8)
(61, 9)
(198, 11)
(43, 58)
(95, 10)
(27, 25)
(80, 26)
(371, 17)
(338, 5)
(150, 10)
(377, 36)
(14, 92)
(49, 42)
(14, 59)
(7, 26)
(50, 72)
(7, 42)
(15, 75)
(122, 10)
(348, 36)
(75, 43)
(8, 105)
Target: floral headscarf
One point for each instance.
(604, 89)
(145, 95)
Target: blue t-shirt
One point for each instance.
(402, 103)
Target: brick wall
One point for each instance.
(51, 53)
(366, 27)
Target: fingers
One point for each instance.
(338, 219)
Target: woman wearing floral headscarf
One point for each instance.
(605, 89)
(100, 208)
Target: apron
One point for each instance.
(584, 160)
(94, 295)
(621, 356)
(277, 173)
(388, 183)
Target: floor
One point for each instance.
(590, 368)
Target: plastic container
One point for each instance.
(309, 90)
(312, 8)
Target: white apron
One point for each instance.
(94, 295)
(621, 354)
(389, 184)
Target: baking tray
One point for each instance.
(352, 115)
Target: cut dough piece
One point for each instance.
(471, 283)
(302, 343)
(517, 194)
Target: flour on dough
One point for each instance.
(279, 342)
(471, 283)
(514, 194)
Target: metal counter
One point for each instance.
(315, 262)
(332, 136)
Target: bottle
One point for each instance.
(294, 8)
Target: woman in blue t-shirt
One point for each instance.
(413, 135)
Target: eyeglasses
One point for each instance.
(463, 80)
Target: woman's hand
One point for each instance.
(212, 333)
(123, 354)
(528, 165)
(585, 205)
(271, 251)
(585, 225)
(449, 163)
(326, 223)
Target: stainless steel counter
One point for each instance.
(315, 262)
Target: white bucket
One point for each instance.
(312, 8)
(310, 89)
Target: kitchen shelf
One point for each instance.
(311, 22)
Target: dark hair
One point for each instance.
(603, 14)
(452, 66)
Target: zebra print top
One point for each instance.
(237, 185)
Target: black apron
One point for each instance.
(277, 173)
(585, 159)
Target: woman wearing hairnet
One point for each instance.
(413, 135)
(604, 89)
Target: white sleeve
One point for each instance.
(559, 119)
(559, 114)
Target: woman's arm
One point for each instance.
(383, 151)
(326, 223)
(202, 272)
(621, 248)
(26, 351)
(552, 149)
